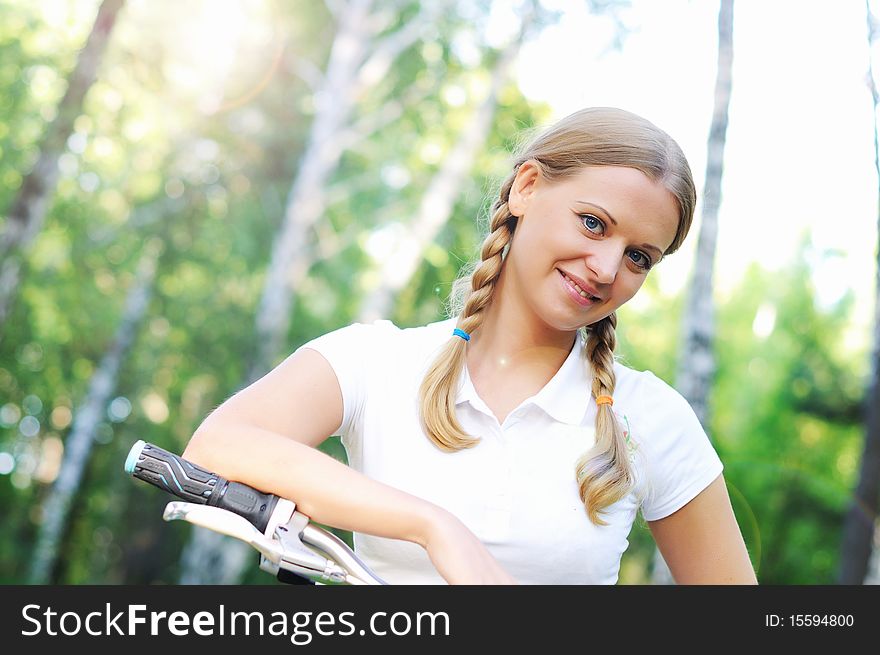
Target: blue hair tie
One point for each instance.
(461, 333)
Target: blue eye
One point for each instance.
(645, 260)
(596, 226)
(591, 222)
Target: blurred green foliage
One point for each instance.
(786, 414)
(166, 151)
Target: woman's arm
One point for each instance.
(702, 543)
(265, 436)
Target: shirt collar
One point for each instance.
(565, 397)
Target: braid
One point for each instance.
(440, 386)
(483, 279)
(604, 473)
(600, 351)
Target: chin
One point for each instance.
(604, 315)
(565, 323)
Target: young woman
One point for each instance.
(505, 444)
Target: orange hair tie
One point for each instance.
(604, 400)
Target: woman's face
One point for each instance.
(603, 227)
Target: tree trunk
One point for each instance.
(349, 75)
(358, 61)
(78, 445)
(438, 201)
(696, 365)
(861, 525)
(29, 208)
(873, 575)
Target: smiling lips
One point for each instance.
(574, 285)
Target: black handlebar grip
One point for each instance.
(196, 485)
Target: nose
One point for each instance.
(603, 261)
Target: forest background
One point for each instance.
(190, 190)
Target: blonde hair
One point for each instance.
(597, 136)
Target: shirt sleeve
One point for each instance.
(351, 352)
(680, 459)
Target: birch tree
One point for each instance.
(437, 203)
(360, 56)
(359, 59)
(696, 365)
(861, 531)
(78, 445)
(28, 211)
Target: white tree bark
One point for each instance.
(29, 208)
(78, 445)
(438, 201)
(696, 366)
(358, 61)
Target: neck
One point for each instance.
(512, 336)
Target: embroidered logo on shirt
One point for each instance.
(631, 445)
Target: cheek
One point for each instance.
(535, 246)
(629, 289)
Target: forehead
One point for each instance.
(629, 197)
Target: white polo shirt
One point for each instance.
(516, 490)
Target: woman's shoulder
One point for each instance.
(429, 332)
(379, 335)
(674, 450)
(660, 417)
(426, 333)
(644, 393)
(632, 380)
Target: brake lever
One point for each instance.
(224, 522)
(286, 550)
(299, 558)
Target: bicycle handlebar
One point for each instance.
(290, 546)
(196, 485)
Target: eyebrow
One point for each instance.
(648, 246)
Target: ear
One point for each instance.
(524, 184)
